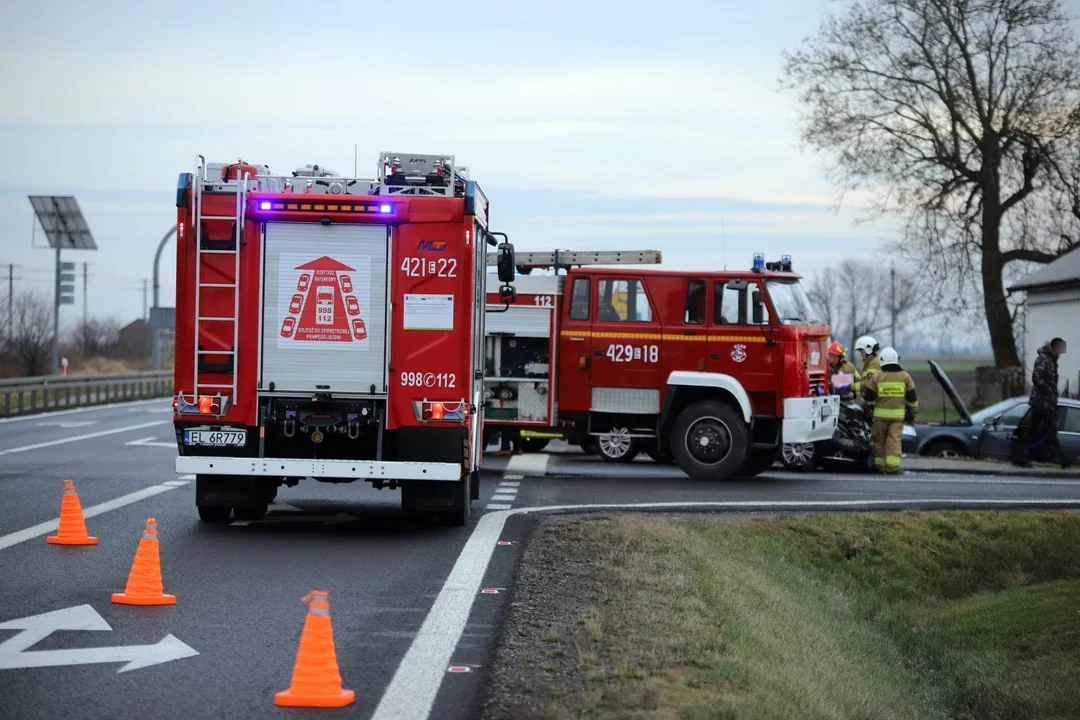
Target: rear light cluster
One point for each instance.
(441, 410)
(216, 405)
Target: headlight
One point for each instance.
(909, 431)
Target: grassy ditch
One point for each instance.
(909, 615)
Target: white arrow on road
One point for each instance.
(324, 519)
(80, 617)
(149, 441)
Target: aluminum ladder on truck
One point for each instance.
(238, 233)
(565, 259)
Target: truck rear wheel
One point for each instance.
(534, 445)
(214, 514)
(709, 440)
(617, 446)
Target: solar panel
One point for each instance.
(63, 222)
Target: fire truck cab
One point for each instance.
(332, 328)
(711, 370)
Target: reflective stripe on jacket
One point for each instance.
(891, 392)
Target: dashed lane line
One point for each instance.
(30, 533)
(410, 694)
(87, 436)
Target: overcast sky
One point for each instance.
(591, 125)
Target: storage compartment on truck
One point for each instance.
(324, 308)
(517, 373)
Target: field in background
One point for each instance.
(961, 370)
(950, 615)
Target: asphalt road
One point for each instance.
(416, 609)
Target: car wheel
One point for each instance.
(617, 446)
(944, 449)
(798, 456)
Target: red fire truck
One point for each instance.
(711, 370)
(320, 332)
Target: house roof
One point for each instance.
(1063, 271)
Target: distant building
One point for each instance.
(1053, 306)
(135, 340)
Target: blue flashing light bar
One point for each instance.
(308, 204)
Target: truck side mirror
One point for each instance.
(757, 307)
(505, 262)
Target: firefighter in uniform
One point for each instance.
(890, 396)
(838, 365)
(867, 348)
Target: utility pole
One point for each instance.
(892, 305)
(11, 297)
(145, 282)
(84, 294)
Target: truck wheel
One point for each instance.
(214, 514)
(534, 445)
(709, 440)
(462, 495)
(617, 446)
(449, 503)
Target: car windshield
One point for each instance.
(791, 303)
(993, 411)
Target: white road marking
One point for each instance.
(67, 423)
(530, 464)
(502, 498)
(80, 617)
(186, 477)
(509, 476)
(88, 436)
(90, 408)
(509, 484)
(29, 533)
(176, 483)
(411, 692)
(151, 442)
(497, 506)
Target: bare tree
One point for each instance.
(959, 114)
(96, 337)
(29, 339)
(860, 297)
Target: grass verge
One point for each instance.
(907, 615)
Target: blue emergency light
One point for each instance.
(264, 206)
(385, 208)
(759, 262)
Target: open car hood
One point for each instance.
(950, 390)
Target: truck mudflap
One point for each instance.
(810, 419)
(292, 467)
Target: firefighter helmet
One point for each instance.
(889, 356)
(866, 344)
(836, 349)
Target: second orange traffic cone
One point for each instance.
(72, 527)
(144, 585)
(316, 681)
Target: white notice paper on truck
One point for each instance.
(429, 312)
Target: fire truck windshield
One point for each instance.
(791, 303)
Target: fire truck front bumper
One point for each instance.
(290, 467)
(810, 419)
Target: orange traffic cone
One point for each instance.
(72, 528)
(144, 585)
(316, 681)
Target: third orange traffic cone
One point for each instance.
(72, 528)
(316, 681)
(144, 585)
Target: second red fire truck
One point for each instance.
(711, 370)
(332, 328)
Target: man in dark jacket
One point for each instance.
(1043, 416)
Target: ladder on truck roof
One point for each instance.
(238, 232)
(562, 259)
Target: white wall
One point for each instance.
(1054, 313)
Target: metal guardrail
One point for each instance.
(19, 396)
